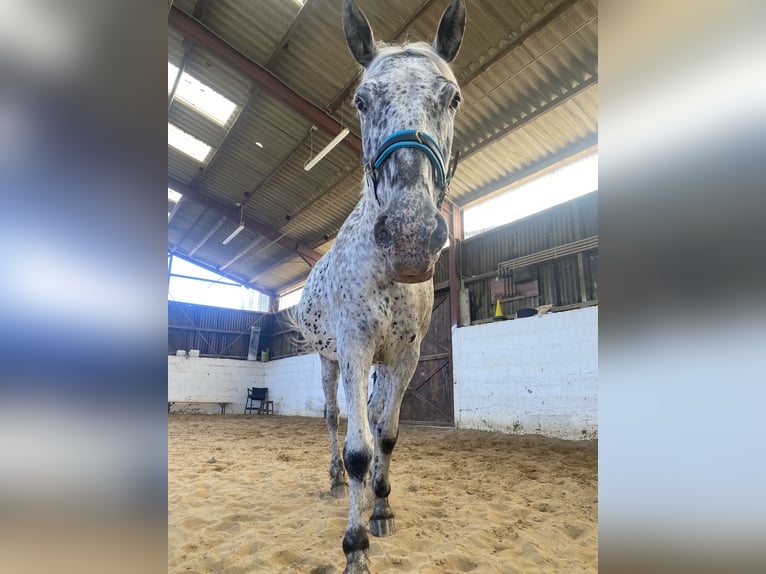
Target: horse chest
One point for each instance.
(388, 316)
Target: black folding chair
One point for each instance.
(259, 394)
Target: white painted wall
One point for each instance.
(532, 375)
(295, 385)
(202, 378)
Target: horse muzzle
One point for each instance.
(411, 245)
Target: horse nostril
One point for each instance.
(439, 236)
(382, 234)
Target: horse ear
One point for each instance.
(450, 33)
(358, 33)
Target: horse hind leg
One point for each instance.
(339, 485)
(385, 405)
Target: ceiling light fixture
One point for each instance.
(241, 225)
(327, 149)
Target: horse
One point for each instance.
(368, 300)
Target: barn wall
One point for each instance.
(214, 331)
(203, 378)
(560, 282)
(295, 385)
(533, 375)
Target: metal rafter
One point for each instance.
(269, 267)
(244, 110)
(306, 252)
(301, 15)
(242, 253)
(208, 235)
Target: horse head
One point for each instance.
(407, 100)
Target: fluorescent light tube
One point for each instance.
(234, 233)
(327, 149)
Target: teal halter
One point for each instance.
(418, 140)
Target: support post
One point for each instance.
(456, 235)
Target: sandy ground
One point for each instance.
(250, 494)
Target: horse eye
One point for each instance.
(455, 102)
(359, 103)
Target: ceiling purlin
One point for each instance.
(208, 235)
(242, 253)
(266, 269)
(233, 128)
(301, 15)
(191, 227)
(308, 254)
(252, 193)
(303, 210)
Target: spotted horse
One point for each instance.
(369, 299)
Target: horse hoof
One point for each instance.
(382, 527)
(339, 490)
(357, 565)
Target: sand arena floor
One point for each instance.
(250, 494)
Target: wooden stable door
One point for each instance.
(429, 398)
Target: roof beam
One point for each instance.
(203, 36)
(242, 253)
(269, 267)
(301, 15)
(208, 235)
(306, 252)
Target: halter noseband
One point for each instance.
(418, 140)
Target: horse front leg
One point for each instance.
(357, 452)
(330, 370)
(385, 405)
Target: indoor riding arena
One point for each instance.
(304, 149)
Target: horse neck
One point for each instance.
(358, 227)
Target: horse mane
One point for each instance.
(420, 48)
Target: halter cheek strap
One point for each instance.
(418, 140)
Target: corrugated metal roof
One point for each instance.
(529, 76)
(255, 27)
